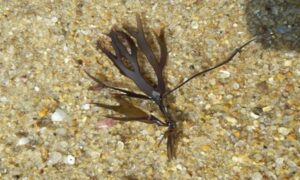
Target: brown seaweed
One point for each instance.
(126, 43)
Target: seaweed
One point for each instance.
(126, 43)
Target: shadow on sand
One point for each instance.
(280, 17)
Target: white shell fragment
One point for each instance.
(69, 159)
(23, 141)
(85, 106)
(224, 74)
(59, 115)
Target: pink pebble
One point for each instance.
(105, 123)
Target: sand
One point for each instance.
(239, 121)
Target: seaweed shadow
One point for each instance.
(280, 17)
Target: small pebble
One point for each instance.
(66, 60)
(54, 158)
(5, 82)
(207, 106)
(271, 80)
(263, 87)
(3, 99)
(237, 159)
(258, 157)
(120, 145)
(194, 25)
(291, 54)
(236, 169)
(180, 167)
(43, 131)
(287, 63)
(236, 86)
(61, 146)
(23, 141)
(297, 72)
(297, 131)
(144, 132)
(292, 165)
(270, 175)
(284, 131)
(37, 89)
(105, 123)
(250, 128)
(256, 176)
(267, 109)
(232, 120)
(85, 106)
(11, 49)
(59, 115)
(212, 81)
(54, 19)
(229, 96)
(224, 74)
(61, 131)
(254, 116)
(282, 29)
(65, 48)
(279, 162)
(69, 160)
